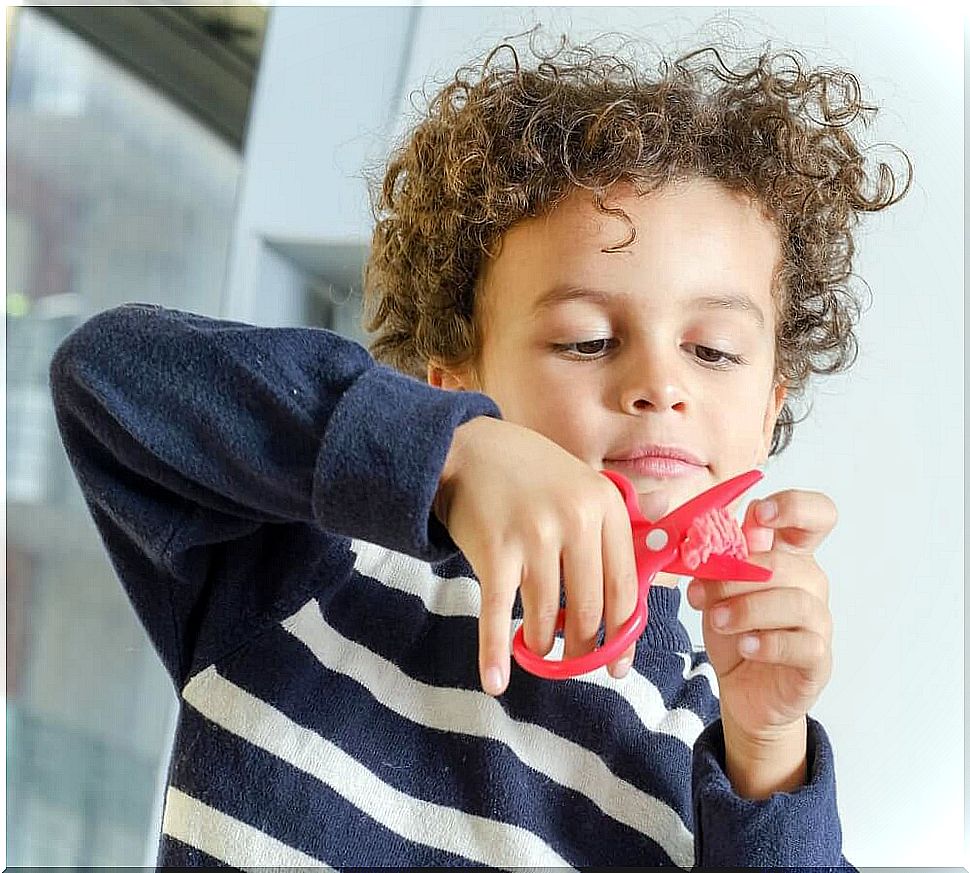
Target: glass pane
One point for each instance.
(113, 195)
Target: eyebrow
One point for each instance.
(737, 302)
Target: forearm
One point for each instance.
(758, 769)
(215, 413)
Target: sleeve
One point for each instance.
(797, 829)
(225, 464)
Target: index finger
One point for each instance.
(498, 585)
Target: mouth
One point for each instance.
(656, 462)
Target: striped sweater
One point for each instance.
(264, 496)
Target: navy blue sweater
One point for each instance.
(265, 497)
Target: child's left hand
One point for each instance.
(771, 690)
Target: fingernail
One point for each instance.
(694, 595)
(766, 510)
(749, 645)
(719, 617)
(493, 680)
(621, 669)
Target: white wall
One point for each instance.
(324, 97)
(884, 441)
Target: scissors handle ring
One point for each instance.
(566, 668)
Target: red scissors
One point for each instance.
(656, 546)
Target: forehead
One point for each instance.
(694, 240)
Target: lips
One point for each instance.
(656, 462)
(656, 451)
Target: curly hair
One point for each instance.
(500, 143)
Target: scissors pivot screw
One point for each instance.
(657, 539)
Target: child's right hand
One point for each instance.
(520, 507)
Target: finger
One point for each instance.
(772, 609)
(801, 519)
(499, 584)
(703, 592)
(582, 562)
(788, 570)
(540, 601)
(620, 583)
(800, 649)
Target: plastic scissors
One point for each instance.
(656, 546)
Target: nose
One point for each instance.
(652, 383)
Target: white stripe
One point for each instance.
(461, 596)
(479, 839)
(227, 839)
(703, 668)
(644, 698)
(477, 714)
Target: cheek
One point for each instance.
(740, 419)
(561, 411)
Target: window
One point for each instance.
(113, 195)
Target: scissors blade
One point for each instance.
(722, 567)
(714, 498)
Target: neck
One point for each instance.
(666, 580)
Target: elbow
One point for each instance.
(78, 353)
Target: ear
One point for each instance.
(449, 380)
(775, 402)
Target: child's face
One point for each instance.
(608, 353)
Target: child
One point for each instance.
(602, 273)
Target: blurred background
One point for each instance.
(212, 159)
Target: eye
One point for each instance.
(717, 358)
(587, 349)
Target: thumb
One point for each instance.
(757, 537)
